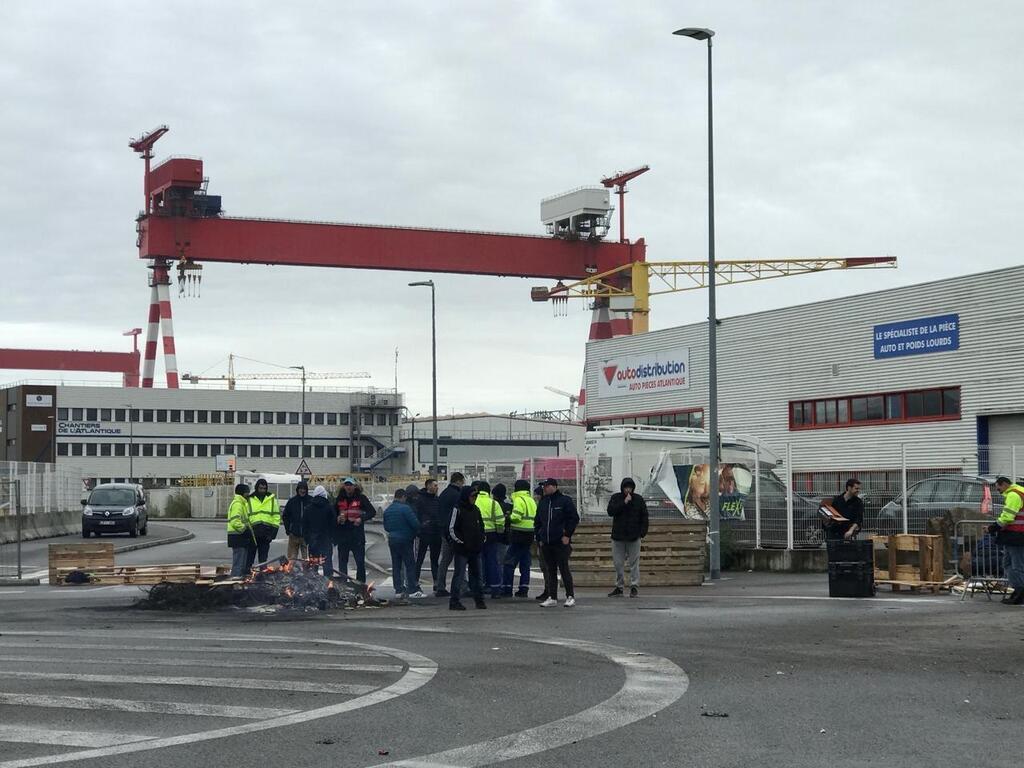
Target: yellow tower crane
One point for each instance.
(629, 288)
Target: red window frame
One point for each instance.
(810, 408)
(631, 418)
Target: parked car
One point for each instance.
(950, 497)
(115, 508)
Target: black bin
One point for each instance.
(851, 579)
(850, 551)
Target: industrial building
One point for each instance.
(479, 439)
(160, 435)
(923, 376)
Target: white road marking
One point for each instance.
(155, 707)
(199, 682)
(180, 651)
(7, 592)
(837, 600)
(652, 683)
(420, 671)
(220, 663)
(22, 735)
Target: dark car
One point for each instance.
(115, 508)
(949, 497)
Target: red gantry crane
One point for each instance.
(180, 222)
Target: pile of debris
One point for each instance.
(277, 585)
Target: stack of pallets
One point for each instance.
(909, 561)
(672, 554)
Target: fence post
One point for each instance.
(789, 496)
(17, 521)
(757, 497)
(903, 481)
(1013, 463)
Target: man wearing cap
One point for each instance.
(628, 512)
(1009, 532)
(554, 525)
(353, 509)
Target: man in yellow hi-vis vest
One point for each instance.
(1009, 531)
(520, 539)
(241, 538)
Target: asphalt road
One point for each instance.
(86, 680)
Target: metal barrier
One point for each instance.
(978, 559)
(10, 512)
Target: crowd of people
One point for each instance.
(484, 534)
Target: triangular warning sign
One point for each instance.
(304, 469)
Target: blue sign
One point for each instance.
(917, 337)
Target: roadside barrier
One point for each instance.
(978, 559)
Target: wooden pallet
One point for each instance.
(913, 586)
(909, 559)
(79, 556)
(672, 554)
(180, 573)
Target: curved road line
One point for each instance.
(652, 684)
(421, 670)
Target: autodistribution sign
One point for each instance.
(661, 371)
(917, 337)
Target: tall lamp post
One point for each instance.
(714, 442)
(302, 417)
(131, 442)
(433, 359)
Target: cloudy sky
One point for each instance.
(842, 129)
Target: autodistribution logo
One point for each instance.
(640, 373)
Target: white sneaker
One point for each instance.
(416, 595)
(549, 602)
(399, 596)
(570, 602)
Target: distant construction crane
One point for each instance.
(573, 399)
(298, 373)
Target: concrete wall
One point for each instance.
(41, 525)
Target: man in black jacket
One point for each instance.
(466, 532)
(556, 521)
(446, 505)
(628, 512)
(318, 525)
(429, 538)
(291, 519)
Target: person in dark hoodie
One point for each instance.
(628, 512)
(266, 518)
(466, 531)
(353, 509)
(555, 524)
(429, 537)
(447, 503)
(318, 525)
(291, 519)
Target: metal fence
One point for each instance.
(35, 500)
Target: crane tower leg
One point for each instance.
(167, 328)
(152, 329)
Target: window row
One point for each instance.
(204, 450)
(179, 416)
(889, 407)
(692, 418)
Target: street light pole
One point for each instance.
(433, 359)
(131, 443)
(714, 441)
(302, 417)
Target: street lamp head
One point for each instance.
(424, 283)
(697, 33)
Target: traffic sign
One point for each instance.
(304, 469)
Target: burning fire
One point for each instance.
(289, 592)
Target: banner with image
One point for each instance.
(688, 487)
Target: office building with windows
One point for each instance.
(160, 435)
(925, 376)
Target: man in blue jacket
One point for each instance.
(554, 525)
(401, 526)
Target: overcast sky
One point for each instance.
(842, 129)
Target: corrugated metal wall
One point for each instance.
(825, 349)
